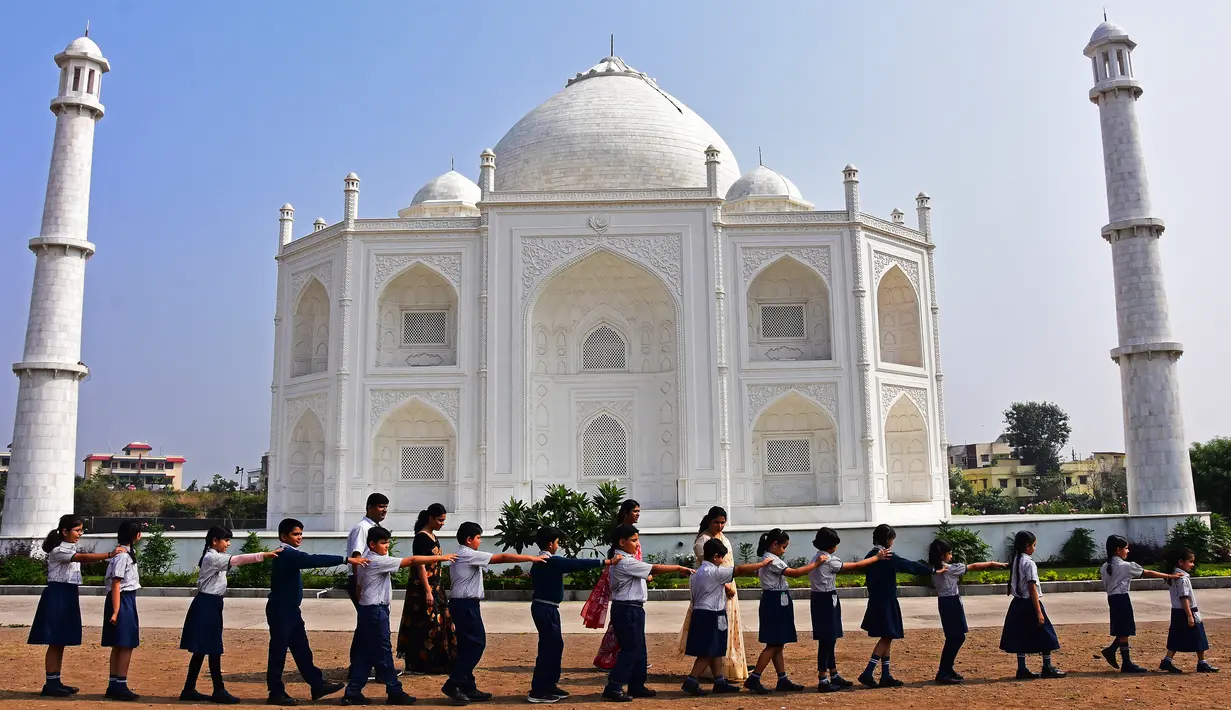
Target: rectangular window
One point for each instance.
(1004, 483)
(985, 458)
(423, 463)
(1068, 480)
(424, 327)
(1083, 480)
(1120, 63)
(170, 466)
(787, 456)
(783, 322)
(63, 80)
(76, 78)
(89, 84)
(1106, 66)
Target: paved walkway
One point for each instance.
(664, 616)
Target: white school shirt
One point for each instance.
(946, 580)
(1026, 574)
(1180, 588)
(466, 573)
(628, 579)
(1118, 575)
(708, 586)
(376, 579)
(123, 568)
(771, 574)
(213, 576)
(357, 540)
(825, 577)
(60, 565)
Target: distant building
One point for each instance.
(137, 466)
(979, 455)
(4, 460)
(1013, 478)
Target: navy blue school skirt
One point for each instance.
(952, 615)
(826, 616)
(57, 622)
(1122, 621)
(883, 618)
(1183, 639)
(1022, 633)
(203, 625)
(126, 631)
(777, 616)
(707, 634)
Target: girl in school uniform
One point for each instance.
(826, 607)
(777, 614)
(1187, 632)
(1118, 574)
(883, 617)
(57, 621)
(121, 627)
(202, 634)
(1026, 626)
(945, 579)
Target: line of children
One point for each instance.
(827, 608)
(945, 579)
(1117, 574)
(202, 634)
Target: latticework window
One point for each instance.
(782, 322)
(604, 449)
(425, 327)
(603, 350)
(787, 456)
(423, 463)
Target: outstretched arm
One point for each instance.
(252, 558)
(426, 560)
(801, 571)
(96, 556)
(505, 557)
(867, 561)
(976, 566)
(901, 564)
(663, 569)
(1158, 575)
(751, 568)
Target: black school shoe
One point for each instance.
(1052, 672)
(54, 690)
(1207, 667)
(786, 685)
(559, 692)
(192, 695)
(1109, 653)
(867, 679)
(1169, 667)
(754, 684)
(401, 697)
(827, 688)
(220, 696)
(542, 698)
(478, 696)
(1133, 668)
(839, 681)
(357, 699)
(1026, 674)
(617, 696)
(281, 699)
(326, 688)
(946, 679)
(121, 693)
(454, 693)
(725, 687)
(888, 681)
(692, 687)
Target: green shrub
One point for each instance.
(157, 555)
(1080, 548)
(175, 508)
(584, 522)
(18, 567)
(1220, 538)
(92, 498)
(967, 545)
(746, 552)
(256, 574)
(1194, 534)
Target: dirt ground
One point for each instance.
(158, 670)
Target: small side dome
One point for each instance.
(450, 195)
(764, 190)
(83, 45)
(1107, 30)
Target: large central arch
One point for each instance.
(603, 380)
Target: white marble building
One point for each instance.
(611, 300)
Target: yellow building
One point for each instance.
(137, 467)
(1013, 478)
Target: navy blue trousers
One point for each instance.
(628, 620)
(471, 641)
(551, 647)
(370, 649)
(286, 631)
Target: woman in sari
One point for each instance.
(426, 635)
(594, 611)
(735, 664)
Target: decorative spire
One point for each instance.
(612, 52)
(87, 28)
(760, 160)
(450, 163)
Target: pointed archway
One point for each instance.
(897, 318)
(795, 453)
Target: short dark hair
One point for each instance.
(378, 534)
(826, 539)
(377, 499)
(713, 546)
(545, 536)
(883, 534)
(287, 525)
(467, 530)
(623, 532)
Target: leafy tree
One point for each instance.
(967, 545)
(157, 553)
(221, 485)
(1110, 483)
(960, 490)
(92, 498)
(192, 487)
(1080, 549)
(253, 575)
(1049, 485)
(1211, 464)
(582, 521)
(1037, 431)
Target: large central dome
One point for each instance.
(611, 128)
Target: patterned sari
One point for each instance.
(426, 635)
(735, 664)
(594, 616)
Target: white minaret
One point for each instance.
(1159, 477)
(40, 485)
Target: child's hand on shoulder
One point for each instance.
(271, 554)
(540, 559)
(1000, 565)
(615, 559)
(884, 554)
(116, 552)
(452, 556)
(687, 571)
(358, 561)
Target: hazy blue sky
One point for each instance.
(217, 113)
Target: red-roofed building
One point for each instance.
(137, 466)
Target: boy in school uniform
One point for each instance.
(370, 647)
(547, 581)
(466, 575)
(357, 540)
(282, 613)
(628, 594)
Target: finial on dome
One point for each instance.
(612, 52)
(1104, 13)
(450, 163)
(87, 26)
(760, 160)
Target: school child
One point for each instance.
(282, 613)
(945, 579)
(202, 634)
(827, 609)
(121, 627)
(628, 594)
(57, 621)
(1187, 632)
(466, 592)
(707, 631)
(370, 646)
(1118, 573)
(776, 612)
(1026, 626)
(547, 581)
(883, 617)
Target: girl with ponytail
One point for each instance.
(776, 612)
(202, 634)
(121, 628)
(1118, 573)
(1026, 626)
(57, 622)
(425, 634)
(946, 579)
(1187, 632)
(883, 617)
